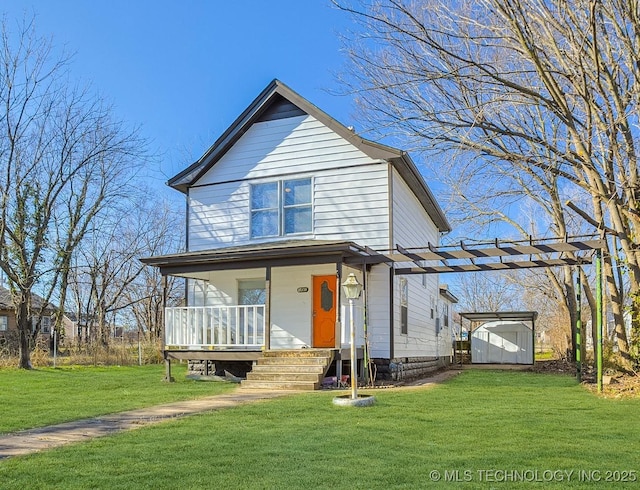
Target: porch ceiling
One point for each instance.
(287, 253)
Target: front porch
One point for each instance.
(232, 337)
(242, 328)
(243, 302)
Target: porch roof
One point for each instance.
(285, 253)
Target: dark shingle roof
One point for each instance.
(7, 304)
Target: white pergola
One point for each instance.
(501, 255)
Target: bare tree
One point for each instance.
(541, 90)
(484, 292)
(108, 282)
(63, 160)
(150, 292)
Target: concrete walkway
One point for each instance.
(34, 440)
(40, 439)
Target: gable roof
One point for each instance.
(6, 303)
(277, 100)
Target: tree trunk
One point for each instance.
(24, 329)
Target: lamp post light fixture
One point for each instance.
(352, 290)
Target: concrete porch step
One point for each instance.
(284, 377)
(288, 361)
(289, 368)
(280, 385)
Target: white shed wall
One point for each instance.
(502, 342)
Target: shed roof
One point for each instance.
(273, 93)
(488, 316)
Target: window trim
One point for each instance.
(281, 208)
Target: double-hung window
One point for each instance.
(281, 208)
(4, 323)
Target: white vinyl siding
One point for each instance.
(283, 147)
(378, 314)
(351, 196)
(412, 227)
(290, 309)
(349, 202)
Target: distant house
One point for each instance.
(8, 316)
(281, 208)
(447, 318)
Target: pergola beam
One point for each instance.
(493, 266)
(501, 250)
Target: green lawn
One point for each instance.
(486, 427)
(47, 396)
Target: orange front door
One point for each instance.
(324, 311)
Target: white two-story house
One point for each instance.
(283, 206)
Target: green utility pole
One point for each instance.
(599, 319)
(578, 330)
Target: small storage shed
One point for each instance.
(502, 337)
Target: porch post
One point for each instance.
(167, 371)
(161, 329)
(267, 309)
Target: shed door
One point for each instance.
(509, 347)
(324, 311)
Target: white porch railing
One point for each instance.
(210, 327)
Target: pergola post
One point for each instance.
(578, 329)
(599, 319)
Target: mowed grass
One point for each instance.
(48, 396)
(479, 430)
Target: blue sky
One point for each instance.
(184, 70)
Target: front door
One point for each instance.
(324, 311)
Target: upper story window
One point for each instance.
(281, 208)
(4, 323)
